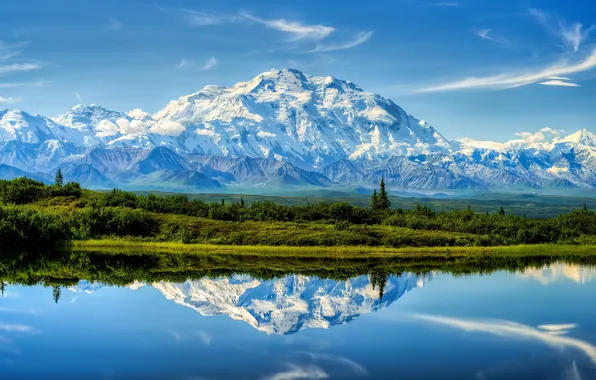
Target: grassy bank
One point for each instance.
(34, 215)
(125, 246)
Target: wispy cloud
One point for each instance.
(516, 330)
(359, 39)
(15, 328)
(78, 96)
(205, 337)
(516, 79)
(557, 82)
(9, 51)
(488, 35)
(196, 18)
(22, 84)
(184, 63)
(18, 67)
(572, 35)
(353, 366)
(8, 100)
(297, 29)
(114, 24)
(209, 64)
(295, 372)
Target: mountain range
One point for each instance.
(281, 130)
(283, 305)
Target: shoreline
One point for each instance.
(333, 251)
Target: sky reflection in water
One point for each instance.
(539, 323)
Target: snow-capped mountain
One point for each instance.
(289, 304)
(282, 129)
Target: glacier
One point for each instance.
(282, 130)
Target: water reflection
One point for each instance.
(552, 335)
(151, 316)
(291, 303)
(551, 273)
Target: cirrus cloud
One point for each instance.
(297, 29)
(358, 39)
(516, 79)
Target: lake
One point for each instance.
(533, 322)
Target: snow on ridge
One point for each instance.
(313, 123)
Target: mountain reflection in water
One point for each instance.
(235, 317)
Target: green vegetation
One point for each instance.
(57, 269)
(33, 214)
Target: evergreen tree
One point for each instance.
(502, 211)
(59, 178)
(384, 202)
(374, 200)
(382, 283)
(2, 287)
(241, 202)
(56, 291)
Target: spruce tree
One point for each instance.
(59, 178)
(384, 202)
(56, 291)
(374, 200)
(502, 211)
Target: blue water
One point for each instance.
(539, 324)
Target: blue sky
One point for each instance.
(471, 68)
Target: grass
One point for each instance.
(124, 246)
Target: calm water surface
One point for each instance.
(538, 323)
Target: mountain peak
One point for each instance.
(583, 137)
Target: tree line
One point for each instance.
(30, 214)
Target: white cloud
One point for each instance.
(295, 372)
(15, 328)
(209, 64)
(131, 127)
(558, 328)
(106, 128)
(183, 63)
(298, 30)
(486, 34)
(204, 19)
(196, 18)
(558, 78)
(515, 330)
(167, 128)
(114, 24)
(359, 39)
(8, 100)
(353, 366)
(138, 113)
(557, 82)
(572, 35)
(205, 337)
(8, 51)
(483, 33)
(22, 84)
(78, 96)
(18, 67)
(516, 79)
